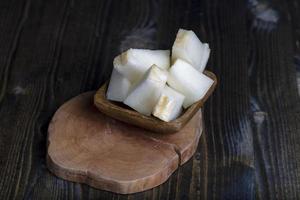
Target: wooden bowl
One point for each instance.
(124, 113)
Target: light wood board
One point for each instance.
(86, 146)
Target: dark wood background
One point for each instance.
(53, 50)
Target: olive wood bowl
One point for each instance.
(120, 111)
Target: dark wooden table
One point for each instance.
(53, 50)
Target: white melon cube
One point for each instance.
(169, 105)
(187, 80)
(205, 57)
(189, 48)
(145, 94)
(118, 87)
(135, 62)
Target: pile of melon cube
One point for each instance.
(155, 82)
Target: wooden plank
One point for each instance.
(13, 17)
(275, 104)
(28, 104)
(231, 172)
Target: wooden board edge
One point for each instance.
(144, 184)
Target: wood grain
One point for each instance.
(123, 113)
(275, 110)
(86, 146)
(51, 51)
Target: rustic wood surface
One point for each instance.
(51, 51)
(123, 113)
(87, 146)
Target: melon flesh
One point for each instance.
(184, 78)
(169, 105)
(189, 48)
(135, 62)
(205, 57)
(145, 94)
(118, 87)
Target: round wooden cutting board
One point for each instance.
(88, 147)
